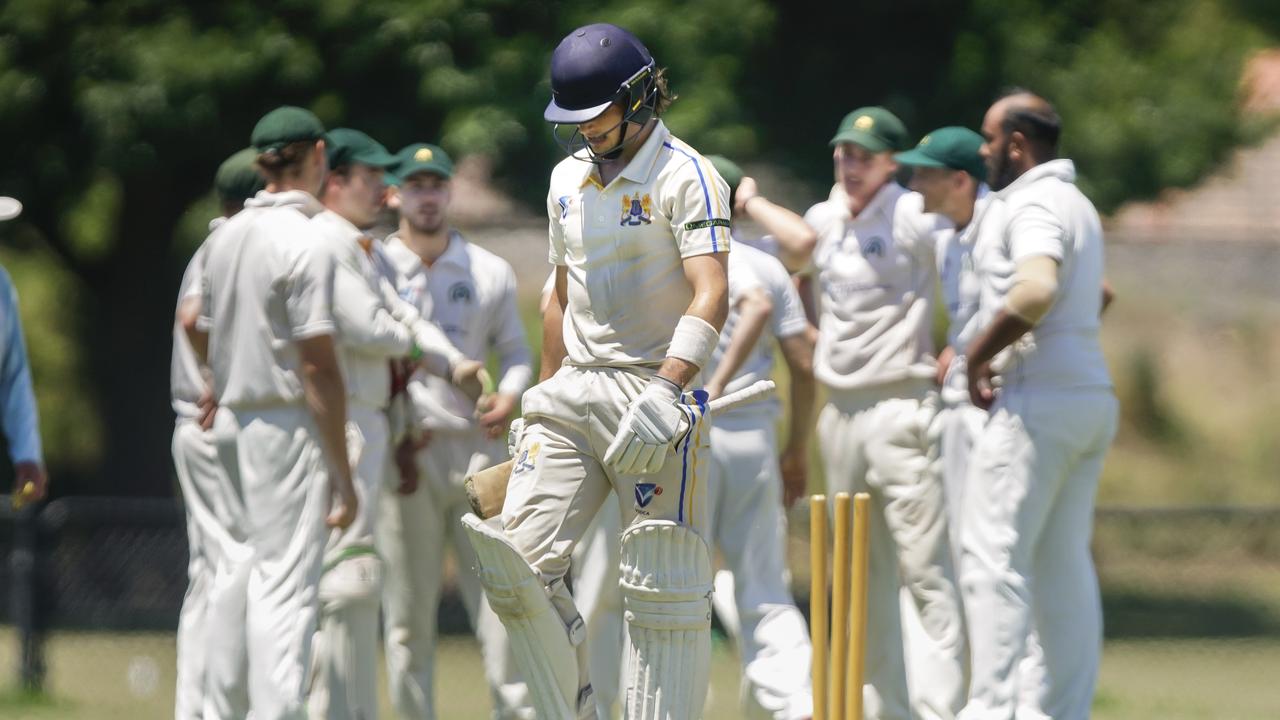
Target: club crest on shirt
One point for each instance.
(527, 458)
(636, 210)
(564, 201)
(460, 292)
(873, 246)
(645, 493)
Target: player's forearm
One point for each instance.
(439, 354)
(326, 397)
(1003, 331)
(553, 350)
(753, 314)
(787, 227)
(804, 390)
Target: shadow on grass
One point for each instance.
(28, 701)
(1130, 614)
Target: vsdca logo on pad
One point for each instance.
(645, 493)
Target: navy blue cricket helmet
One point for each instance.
(596, 66)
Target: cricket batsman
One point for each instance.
(216, 536)
(1036, 362)
(638, 224)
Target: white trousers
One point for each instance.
(344, 682)
(877, 441)
(216, 541)
(599, 599)
(273, 457)
(412, 534)
(750, 530)
(1028, 519)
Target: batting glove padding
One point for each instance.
(649, 426)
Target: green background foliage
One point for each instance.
(116, 113)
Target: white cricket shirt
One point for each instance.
(624, 245)
(186, 384)
(1046, 214)
(961, 289)
(877, 273)
(470, 293)
(266, 285)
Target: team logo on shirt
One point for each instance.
(873, 246)
(526, 460)
(645, 493)
(636, 210)
(460, 292)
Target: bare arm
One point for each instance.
(1108, 295)
(709, 276)
(188, 318)
(754, 310)
(789, 228)
(326, 397)
(797, 350)
(553, 350)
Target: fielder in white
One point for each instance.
(751, 485)
(1033, 473)
(216, 537)
(471, 294)
(265, 329)
(375, 328)
(875, 262)
(638, 230)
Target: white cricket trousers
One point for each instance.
(344, 679)
(273, 457)
(412, 534)
(1028, 520)
(217, 562)
(750, 530)
(876, 440)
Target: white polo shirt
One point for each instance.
(624, 245)
(749, 268)
(961, 288)
(877, 273)
(266, 285)
(470, 293)
(1046, 214)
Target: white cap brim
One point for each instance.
(10, 208)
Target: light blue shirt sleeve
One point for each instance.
(18, 414)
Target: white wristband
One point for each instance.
(693, 341)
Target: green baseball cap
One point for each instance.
(423, 157)
(284, 125)
(728, 170)
(238, 178)
(949, 147)
(874, 128)
(345, 146)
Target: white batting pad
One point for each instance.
(666, 589)
(544, 648)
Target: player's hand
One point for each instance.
(647, 430)
(406, 457)
(713, 391)
(747, 189)
(342, 509)
(208, 409)
(495, 410)
(981, 392)
(945, 358)
(30, 483)
(470, 377)
(794, 465)
(514, 434)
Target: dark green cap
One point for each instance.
(423, 157)
(728, 170)
(285, 125)
(874, 128)
(345, 146)
(949, 147)
(238, 178)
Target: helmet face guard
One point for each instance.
(638, 96)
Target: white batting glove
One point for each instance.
(514, 433)
(648, 427)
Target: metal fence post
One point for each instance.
(23, 598)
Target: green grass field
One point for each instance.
(98, 676)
